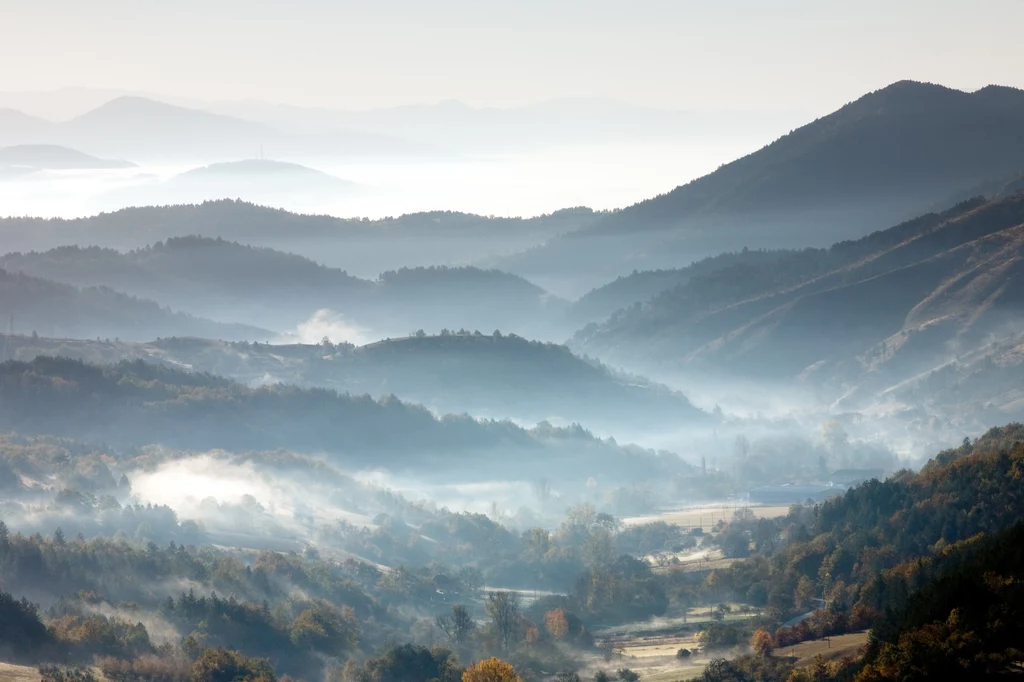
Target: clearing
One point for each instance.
(805, 653)
(706, 517)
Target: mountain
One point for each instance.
(261, 180)
(18, 128)
(31, 304)
(148, 130)
(54, 157)
(452, 124)
(492, 376)
(867, 318)
(361, 246)
(888, 156)
(641, 286)
(131, 403)
(242, 284)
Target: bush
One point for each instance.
(56, 673)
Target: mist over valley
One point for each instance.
(541, 346)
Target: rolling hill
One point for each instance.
(868, 317)
(232, 282)
(34, 305)
(55, 157)
(486, 376)
(890, 155)
(360, 246)
(131, 403)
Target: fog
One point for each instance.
(311, 402)
(526, 184)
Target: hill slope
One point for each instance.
(32, 304)
(143, 403)
(891, 154)
(230, 281)
(363, 247)
(148, 130)
(486, 376)
(54, 157)
(869, 314)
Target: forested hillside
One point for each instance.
(238, 283)
(455, 372)
(864, 315)
(929, 561)
(33, 305)
(360, 246)
(144, 403)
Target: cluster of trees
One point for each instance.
(931, 562)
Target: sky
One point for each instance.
(712, 55)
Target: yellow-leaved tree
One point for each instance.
(762, 642)
(491, 670)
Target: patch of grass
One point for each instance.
(806, 653)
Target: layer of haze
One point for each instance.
(740, 55)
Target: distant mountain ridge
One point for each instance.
(147, 130)
(892, 154)
(365, 247)
(55, 157)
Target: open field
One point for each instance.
(805, 653)
(654, 656)
(706, 517)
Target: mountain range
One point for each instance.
(361, 246)
(146, 130)
(931, 300)
(886, 157)
(450, 124)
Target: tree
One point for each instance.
(503, 608)
(221, 665)
(322, 629)
(567, 676)
(627, 675)
(556, 623)
(761, 642)
(471, 578)
(458, 625)
(491, 670)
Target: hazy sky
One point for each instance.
(809, 55)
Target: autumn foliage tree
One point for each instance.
(761, 642)
(556, 623)
(491, 670)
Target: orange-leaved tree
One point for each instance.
(491, 670)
